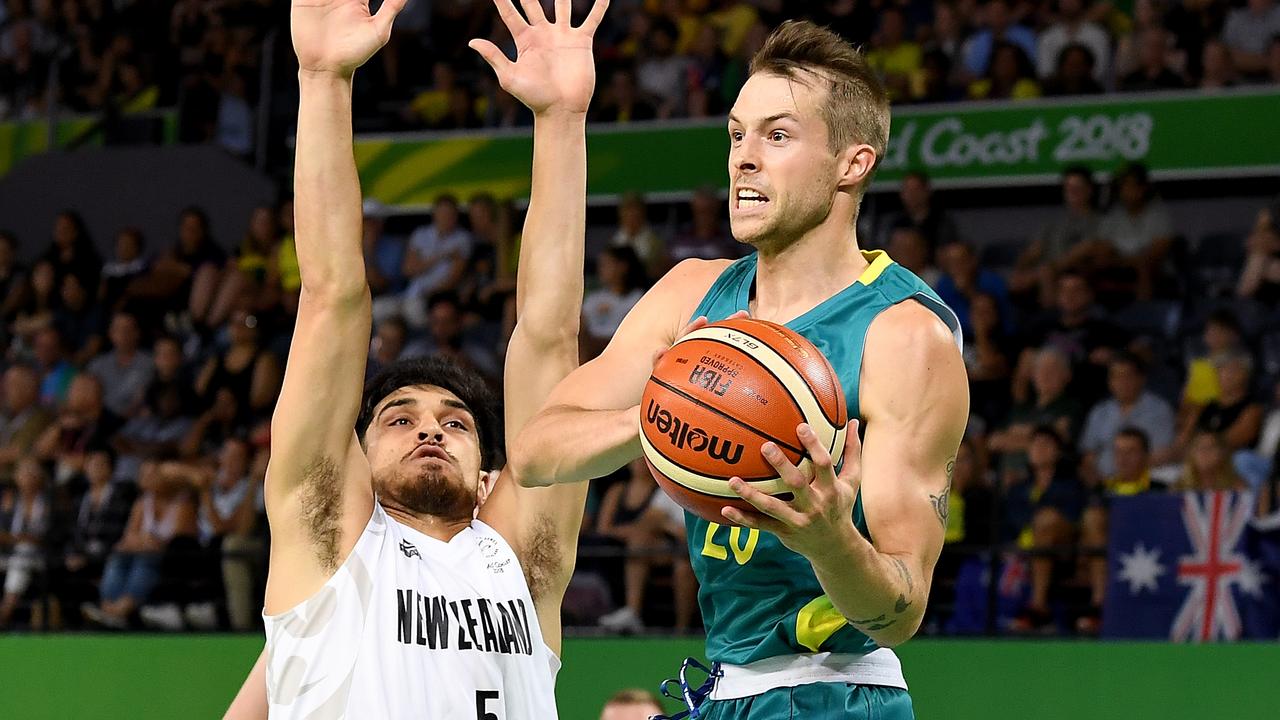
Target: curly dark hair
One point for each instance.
(465, 383)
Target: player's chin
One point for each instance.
(435, 489)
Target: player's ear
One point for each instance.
(485, 486)
(854, 165)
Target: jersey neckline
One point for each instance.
(878, 261)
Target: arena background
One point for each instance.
(173, 103)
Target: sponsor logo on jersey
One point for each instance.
(476, 624)
(683, 435)
(409, 550)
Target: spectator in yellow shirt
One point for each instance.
(898, 60)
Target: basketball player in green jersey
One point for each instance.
(802, 599)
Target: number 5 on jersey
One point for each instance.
(483, 698)
(741, 552)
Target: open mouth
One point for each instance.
(747, 198)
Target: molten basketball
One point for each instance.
(723, 391)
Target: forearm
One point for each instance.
(552, 241)
(567, 444)
(327, 189)
(881, 595)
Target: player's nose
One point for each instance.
(745, 157)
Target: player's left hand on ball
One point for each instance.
(554, 70)
(821, 508)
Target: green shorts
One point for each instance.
(817, 701)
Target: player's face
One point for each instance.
(424, 452)
(782, 174)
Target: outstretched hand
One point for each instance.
(337, 36)
(554, 70)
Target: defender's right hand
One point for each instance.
(337, 36)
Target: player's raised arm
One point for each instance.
(554, 75)
(318, 492)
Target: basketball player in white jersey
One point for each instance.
(406, 581)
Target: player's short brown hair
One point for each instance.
(857, 107)
(633, 696)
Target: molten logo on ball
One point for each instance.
(694, 438)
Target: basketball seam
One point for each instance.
(800, 451)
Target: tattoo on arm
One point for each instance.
(876, 623)
(940, 505)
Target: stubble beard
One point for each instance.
(432, 491)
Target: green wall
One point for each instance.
(143, 677)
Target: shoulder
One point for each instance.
(686, 283)
(908, 345)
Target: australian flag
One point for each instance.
(1192, 567)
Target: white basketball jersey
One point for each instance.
(413, 627)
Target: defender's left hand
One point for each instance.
(821, 509)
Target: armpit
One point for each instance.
(540, 556)
(320, 498)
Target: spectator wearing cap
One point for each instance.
(1249, 31)
(1072, 26)
(1128, 405)
(126, 370)
(22, 420)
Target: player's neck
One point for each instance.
(441, 529)
(795, 279)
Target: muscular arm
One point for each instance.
(590, 425)
(908, 453)
(318, 492)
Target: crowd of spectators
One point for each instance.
(1104, 359)
(658, 58)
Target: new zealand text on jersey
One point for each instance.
(483, 625)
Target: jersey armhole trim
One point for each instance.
(333, 578)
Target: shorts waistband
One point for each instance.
(878, 667)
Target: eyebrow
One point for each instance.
(396, 403)
(457, 405)
(772, 118)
